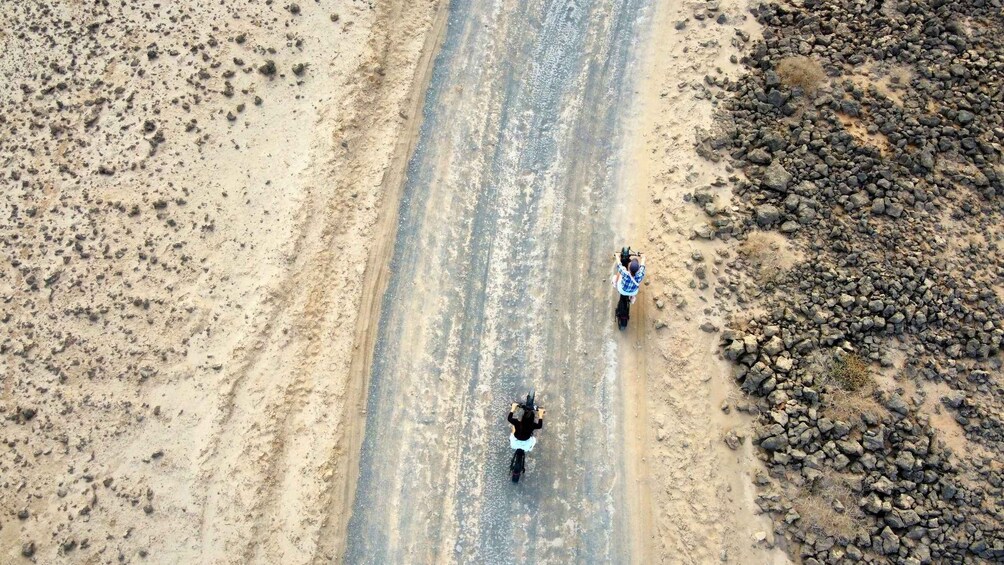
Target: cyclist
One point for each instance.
(627, 278)
(522, 429)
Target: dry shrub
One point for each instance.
(802, 72)
(851, 393)
(848, 406)
(815, 505)
(851, 373)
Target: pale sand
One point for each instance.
(190, 364)
(693, 495)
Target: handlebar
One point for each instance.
(525, 407)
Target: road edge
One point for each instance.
(381, 253)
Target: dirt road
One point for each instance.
(499, 284)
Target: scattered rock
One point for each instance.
(268, 68)
(776, 178)
(733, 440)
(767, 215)
(894, 173)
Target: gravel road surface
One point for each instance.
(499, 284)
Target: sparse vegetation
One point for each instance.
(852, 406)
(803, 72)
(851, 372)
(828, 506)
(843, 403)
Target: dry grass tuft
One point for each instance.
(818, 511)
(848, 406)
(802, 72)
(851, 373)
(851, 391)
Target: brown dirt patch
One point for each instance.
(770, 253)
(941, 418)
(890, 82)
(859, 131)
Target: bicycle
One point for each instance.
(622, 312)
(517, 465)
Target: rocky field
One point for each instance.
(869, 276)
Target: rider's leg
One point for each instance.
(525, 445)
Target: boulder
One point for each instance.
(775, 443)
(759, 156)
(767, 215)
(889, 541)
(773, 346)
(777, 178)
(704, 231)
(954, 399)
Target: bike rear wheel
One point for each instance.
(622, 312)
(517, 465)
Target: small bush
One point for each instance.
(818, 511)
(851, 372)
(802, 72)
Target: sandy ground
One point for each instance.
(185, 234)
(693, 491)
(196, 255)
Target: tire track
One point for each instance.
(274, 467)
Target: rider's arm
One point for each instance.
(540, 422)
(512, 420)
(619, 270)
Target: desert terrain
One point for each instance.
(273, 273)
